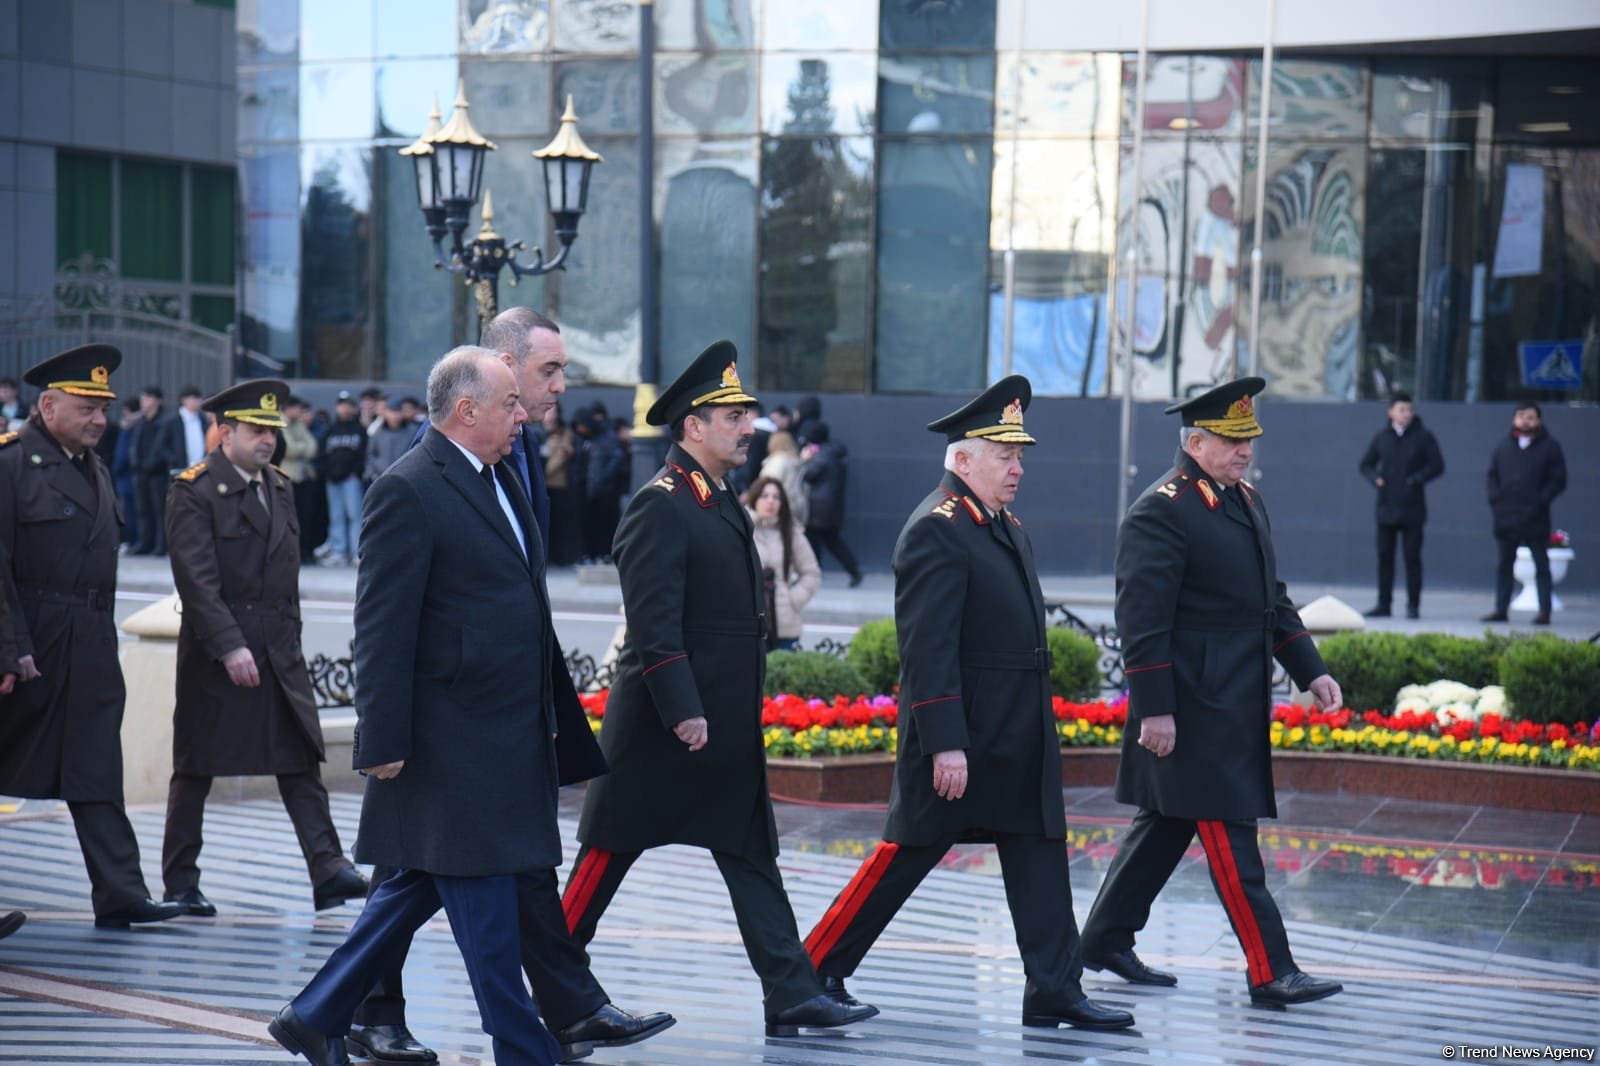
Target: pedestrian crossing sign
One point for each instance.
(1552, 364)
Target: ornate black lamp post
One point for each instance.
(449, 165)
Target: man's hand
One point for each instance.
(1325, 690)
(950, 774)
(7, 683)
(385, 772)
(241, 667)
(1158, 735)
(693, 732)
(26, 670)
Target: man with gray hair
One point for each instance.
(1202, 615)
(979, 756)
(454, 732)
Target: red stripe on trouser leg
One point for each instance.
(1214, 838)
(849, 903)
(581, 886)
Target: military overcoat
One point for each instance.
(60, 734)
(974, 675)
(237, 568)
(691, 586)
(1202, 615)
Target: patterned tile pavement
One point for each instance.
(1450, 925)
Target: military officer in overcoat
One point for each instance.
(244, 700)
(60, 728)
(978, 755)
(682, 729)
(1202, 615)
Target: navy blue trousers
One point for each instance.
(483, 917)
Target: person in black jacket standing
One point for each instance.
(1402, 458)
(826, 472)
(1527, 471)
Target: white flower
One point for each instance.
(1457, 712)
(1416, 704)
(1411, 692)
(1491, 700)
(1442, 692)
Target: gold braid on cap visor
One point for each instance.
(724, 396)
(258, 417)
(1241, 428)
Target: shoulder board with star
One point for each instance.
(9, 438)
(1175, 488)
(946, 508)
(278, 469)
(668, 483)
(193, 472)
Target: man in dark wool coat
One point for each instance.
(244, 695)
(978, 757)
(682, 729)
(60, 728)
(1202, 615)
(455, 731)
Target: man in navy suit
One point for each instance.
(572, 1002)
(454, 733)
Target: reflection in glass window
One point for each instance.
(1427, 100)
(1187, 95)
(818, 94)
(269, 104)
(705, 26)
(335, 296)
(597, 302)
(337, 101)
(933, 252)
(1312, 99)
(605, 93)
(705, 93)
(1056, 203)
(335, 31)
(1547, 101)
(596, 25)
(811, 27)
(270, 288)
(816, 232)
(521, 212)
(936, 26)
(408, 89)
(415, 300)
(706, 199)
(510, 97)
(1310, 332)
(1075, 93)
(936, 94)
(268, 32)
(414, 29)
(497, 27)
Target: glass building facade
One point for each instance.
(880, 198)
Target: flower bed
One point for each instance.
(796, 727)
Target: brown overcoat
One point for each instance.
(60, 734)
(237, 569)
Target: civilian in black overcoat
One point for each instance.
(455, 708)
(60, 728)
(978, 756)
(1402, 458)
(1527, 471)
(244, 700)
(682, 729)
(1202, 614)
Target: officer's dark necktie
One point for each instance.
(509, 484)
(261, 494)
(82, 463)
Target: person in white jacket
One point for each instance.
(786, 559)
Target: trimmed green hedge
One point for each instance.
(1548, 679)
(1372, 667)
(876, 655)
(813, 674)
(1075, 672)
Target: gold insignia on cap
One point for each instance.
(100, 375)
(1012, 415)
(730, 377)
(269, 402)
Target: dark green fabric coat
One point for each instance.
(974, 674)
(60, 734)
(1202, 614)
(237, 569)
(691, 588)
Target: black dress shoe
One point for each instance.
(834, 988)
(298, 1038)
(610, 1026)
(193, 902)
(819, 1012)
(1084, 1014)
(146, 910)
(11, 922)
(387, 1043)
(1293, 988)
(1494, 616)
(855, 578)
(1541, 619)
(342, 887)
(1413, 612)
(1380, 611)
(1131, 968)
